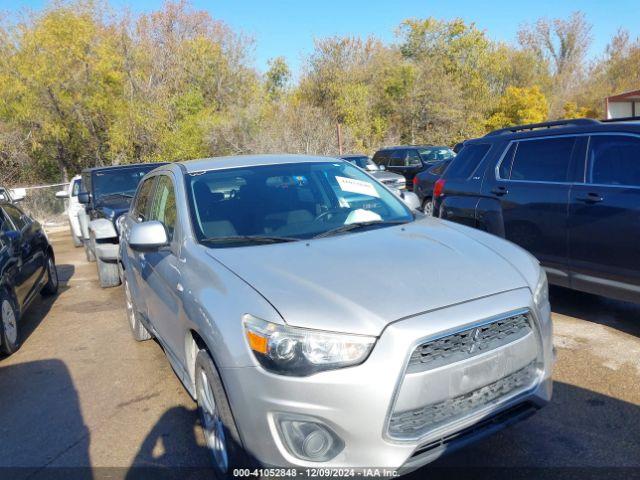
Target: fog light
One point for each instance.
(308, 439)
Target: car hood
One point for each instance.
(360, 282)
(384, 175)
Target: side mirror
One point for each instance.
(148, 236)
(18, 194)
(62, 194)
(411, 200)
(84, 198)
(382, 167)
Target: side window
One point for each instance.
(163, 208)
(614, 160)
(18, 218)
(465, 163)
(413, 159)
(545, 160)
(397, 158)
(504, 171)
(141, 206)
(76, 189)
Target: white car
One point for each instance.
(73, 208)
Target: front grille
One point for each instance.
(468, 343)
(416, 422)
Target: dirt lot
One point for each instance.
(81, 393)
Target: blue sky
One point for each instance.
(288, 27)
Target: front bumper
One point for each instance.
(356, 402)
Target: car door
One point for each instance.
(30, 254)
(604, 218)
(164, 274)
(396, 162)
(136, 260)
(532, 182)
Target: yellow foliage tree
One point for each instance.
(519, 106)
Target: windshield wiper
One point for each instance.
(249, 238)
(356, 225)
(118, 194)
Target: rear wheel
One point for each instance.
(51, 287)
(427, 207)
(218, 425)
(91, 257)
(9, 333)
(138, 330)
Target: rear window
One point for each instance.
(466, 162)
(545, 160)
(614, 160)
(381, 158)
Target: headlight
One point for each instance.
(300, 351)
(541, 293)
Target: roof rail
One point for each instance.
(556, 123)
(623, 119)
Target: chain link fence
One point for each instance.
(41, 203)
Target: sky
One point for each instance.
(288, 28)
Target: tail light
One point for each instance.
(438, 188)
(415, 181)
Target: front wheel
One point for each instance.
(9, 333)
(51, 287)
(138, 330)
(218, 426)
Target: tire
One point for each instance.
(91, 257)
(138, 330)
(53, 282)
(77, 241)
(427, 207)
(218, 426)
(108, 273)
(9, 325)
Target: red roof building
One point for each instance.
(623, 105)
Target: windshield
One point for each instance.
(288, 201)
(436, 154)
(363, 162)
(120, 183)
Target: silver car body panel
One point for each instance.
(429, 278)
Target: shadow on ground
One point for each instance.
(622, 316)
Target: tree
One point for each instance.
(519, 106)
(563, 44)
(277, 77)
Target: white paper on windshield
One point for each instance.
(361, 215)
(357, 186)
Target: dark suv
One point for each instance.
(411, 160)
(108, 193)
(567, 191)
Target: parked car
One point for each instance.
(73, 208)
(27, 267)
(424, 182)
(250, 271)
(410, 160)
(107, 194)
(390, 179)
(12, 195)
(567, 191)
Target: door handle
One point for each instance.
(500, 191)
(590, 198)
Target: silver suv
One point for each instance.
(255, 275)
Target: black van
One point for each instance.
(567, 191)
(410, 160)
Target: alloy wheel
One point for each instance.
(428, 208)
(212, 423)
(129, 305)
(9, 322)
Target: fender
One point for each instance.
(102, 229)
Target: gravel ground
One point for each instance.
(82, 393)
